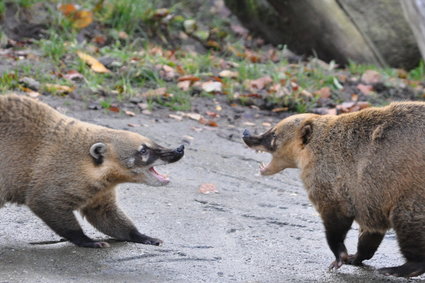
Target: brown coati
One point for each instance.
(366, 166)
(56, 165)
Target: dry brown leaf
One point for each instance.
(176, 117)
(280, 109)
(62, 89)
(324, 92)
(365, 89)
(371, 77)
(130, 113)
(156, 92)
(114, 108)
(228, 74)
(67, 9)
(206, 122)
(260, 83)
(212, 114)
(94, 64)
(212, 86)
(193, 116)
(73, 75)
(208, 188)
(184, 85)
(189, 78)
(82, 19)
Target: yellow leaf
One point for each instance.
(82, 19)
(61, 89)
(94, 64)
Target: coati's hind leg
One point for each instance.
(409, 222)
(104, 214)
(366, 247)
(63, 222)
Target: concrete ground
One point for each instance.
(255, 229)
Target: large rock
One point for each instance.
(342, 30)
(415, 14)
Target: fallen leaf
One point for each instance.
(156, 92)
(280, 109)
(212, 114)
(61, 89)
(189, 78)
(114, 108)
(161, 13)
(260, 83)
(228, 74)
(94, 64)
(212, 86)
(371, 77)
(67, 9)
(208, 188)
(365, 89)
(266, 124)
(133, 125)
(193, 116)
(324, 92)
(206, 122)
(249, 124)
(167, 72)
(82, 19)
(129, 113)
(176, 117)
(73, 75)
(184, 85)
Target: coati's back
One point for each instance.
(23, 125)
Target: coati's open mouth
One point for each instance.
(161, 178)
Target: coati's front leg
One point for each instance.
(63, 222)
(366, 247)
(104, 214)
(337, 226)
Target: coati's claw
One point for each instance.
(153, 242)
(335, 265)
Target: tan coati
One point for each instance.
(367, 166)
(56, 165)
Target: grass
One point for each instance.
(140, 58)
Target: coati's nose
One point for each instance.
(180, 149)
(246, 133)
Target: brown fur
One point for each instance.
(46, 164)
(366, 166)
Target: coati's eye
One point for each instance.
(143, 150)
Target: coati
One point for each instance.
(56, 165)
(366, 166)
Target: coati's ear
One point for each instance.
(306, 131)
(97, 151)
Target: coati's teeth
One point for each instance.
(262, 165)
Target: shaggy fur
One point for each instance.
(366, 166)
(55, 165)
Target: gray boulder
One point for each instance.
(363, 31)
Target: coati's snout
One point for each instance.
(264, 142)
(285, 142)
(139, 162)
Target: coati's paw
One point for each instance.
(339, 261)
(96, 245)
(136, 236)
(152, 241)
(353, 260)
(409, 269)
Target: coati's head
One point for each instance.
(129, 157)
(285, 141)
